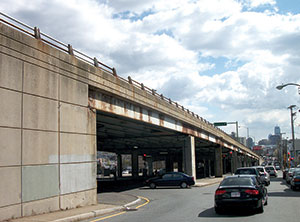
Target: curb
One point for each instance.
(96, 213)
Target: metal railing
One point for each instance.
(36, 33)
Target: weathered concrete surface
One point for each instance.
(78, 199)
(40, 113)
(10, 185)
(39, 182)
(10, 147)
(77, 148)
(189, 155)
(85, 119)
(73, 91)
(11, 212)
(11, 74)
(44, 113)
(10, 112)
(40, 81)
(40, 147)
(41, 206)
(77, 177)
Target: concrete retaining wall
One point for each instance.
(47, 131)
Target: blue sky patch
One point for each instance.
(222, 64)
(132, 16)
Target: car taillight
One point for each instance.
(296, 180)
(252, 192)
(220, 192)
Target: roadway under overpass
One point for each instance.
(148, 137)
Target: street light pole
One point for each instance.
(280, 87)
(293, 136)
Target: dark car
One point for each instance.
(289, 175)
(249, 171)
(171, 179)
(295, 181)
(240, 191)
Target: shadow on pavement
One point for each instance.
(118, 186)
(285, 193)
(232, 213)
(273, 179)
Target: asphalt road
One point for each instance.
(196, 204)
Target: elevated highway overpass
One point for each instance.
(59, 107)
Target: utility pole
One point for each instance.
(293, 136)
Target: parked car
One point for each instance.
(171, 179)
(264, 175)
(271, 170)
(277, 167)
(289, 175)
(240, 191)
(295, 181)
(249, 171)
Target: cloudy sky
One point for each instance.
(222, 59)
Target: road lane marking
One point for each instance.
(103, 218)
(114, 215)
(144, 198)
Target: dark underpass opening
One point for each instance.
(130, 151)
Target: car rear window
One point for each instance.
(237, 181)
(269, 168)
(245, 171)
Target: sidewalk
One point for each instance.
(108, 203)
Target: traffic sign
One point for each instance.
(220, 124)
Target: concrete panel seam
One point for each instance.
(85, 134)
(10, 205)
(81, 191)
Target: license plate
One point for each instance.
(235, 194)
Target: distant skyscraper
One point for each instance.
(277, 130)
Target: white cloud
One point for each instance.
(160, 43)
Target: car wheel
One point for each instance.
(152, 185)
(183, 185)
(218, 210)
(292, 187)
(261, 208)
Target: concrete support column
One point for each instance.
(224, 165)
(119, 165)
(209, 168)
(180, 165)
(150, 166)
(135, 164)
(218, 162)
(189, 157)
(169, 163)
(234, 161)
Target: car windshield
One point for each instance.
(247, 181)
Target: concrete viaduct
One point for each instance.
(59, 107)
